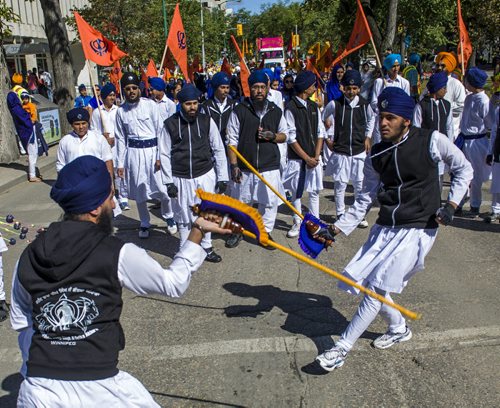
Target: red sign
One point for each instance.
(270, 42)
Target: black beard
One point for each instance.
(258, 105)
(133, 100)
(105, 221)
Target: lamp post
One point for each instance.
(202, 38)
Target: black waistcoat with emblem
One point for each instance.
(263, 155)
(306, 123)
(409, 195)
(220, 118)
(434, 115)
(350, 127)
(191, 154)
(71, 274)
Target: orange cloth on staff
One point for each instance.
(30, 107)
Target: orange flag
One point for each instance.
(464, 42)
(176, 42)
(360, 35)
(169, 66)
(225, 67)
(115, 75)
(311, 67)
(96, 47)
(151, 70)
(194, 67)
(244, 71)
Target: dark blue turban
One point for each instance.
(258, 77)
(157, 83)
(352, 77)
(107, 89)
(476, 77)
(437, 81)
(396, 101)
(304, 80)
(188, 93)
(220, 78)
(78, 115)
(414, 58)
(82, 185)
(129, 78)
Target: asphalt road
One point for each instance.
(247, 331)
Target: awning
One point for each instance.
(26, 49)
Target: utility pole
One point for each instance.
(202, 38)
(165, 18)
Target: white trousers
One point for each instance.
(142, 208)
(476, 151)
(32, 155)
(313, 205)
(367, 311)
(2, 290)
(339, 191)
(495, 204)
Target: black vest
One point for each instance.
(191, 155)
(306, 123)
(410, 194)
(220, 118)
(77, 334)
(262, 155)
(434, 116)
(350, 127)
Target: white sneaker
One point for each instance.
(144, 233)
(363, 224)
(171, 226)
(294, 231)
(390, 339)
(332, 359)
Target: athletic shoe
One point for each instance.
(124, 206)
(390, 339)
(171, 226)
(294, 231)
(4, 310)
(492, 218)
(332, 359)
(144, 233)
(472, 213)
(363, 224)
(212, 256)
(233, 240)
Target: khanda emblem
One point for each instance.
(99, 47)
(67, 313)
(181, 39)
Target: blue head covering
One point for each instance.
(352, 77)
(157, 83)
(390, 60)
(77, 115)
(349, 65)
(476, 77)
(396, 101)
(269, 72)
(107, 89)
(258, 76)
(437, 81)
(188, 93)
(220, 78)
(82, 185)
(333, 85)
(81, 86)
(414, 58)
(304, 80)
(129, 78)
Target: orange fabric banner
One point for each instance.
(464, 38)
(194, 67)
(226, 67)
(311, 67)
(169, 66)
(115, 75)
(176, 42)
(151, 70)
(244, 71)
(96, 47)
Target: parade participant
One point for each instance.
(190, 147)
(412, 75)
(402, 171)
(306, 132)
(367, 79)
(105, 119)
(4, 309)
(275, 84)
(349, 138)
(96, 99)
(24, 126)
(255, 128)
(288, 90)
(167, 107)
(493, 158)
(138, 126)
(82, 100)
(67, 296)
(333, 87)
(392, 64)
(474, 127)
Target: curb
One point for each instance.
(23, 178)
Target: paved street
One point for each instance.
(247, 330)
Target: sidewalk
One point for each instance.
(16, 172)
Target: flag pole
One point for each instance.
(97, 98)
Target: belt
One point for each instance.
(142, 143)
(472, 137)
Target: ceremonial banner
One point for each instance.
(151, 70)
(194, 67)
(244, 71)
(96, 47)
(226, 67)
(464, 49)
(115, 75)
(311, 67)
(168, 65)
(176, 42)
(325, 60)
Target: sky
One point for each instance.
(252, 5)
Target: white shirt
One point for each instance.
(92, 144)
(276, 97)
(108, 117)
(329, 114)
(417, 119)
(475, 118)
(292, 130)
(440, 148)
(380, 84)
(167, 108)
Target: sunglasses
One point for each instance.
(288, 81)
(131, 88)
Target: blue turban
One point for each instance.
(437, 81)
(77, 115)
(396, 101)
(188, 93)
(157, 83)
(476, 77)
(390, 60)
(414, 58)
(258, 76)
(82, 185)
(129, 78)
(220, 78)
(352, 77)
(269, 72)
(107, 89)
(81, 86)
(304, 80)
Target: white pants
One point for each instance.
(495, 203)
(142, 208)
(476, 151)
(339, 191)
(122, 390)
(368, 309)
(313, 205)
(2, 290)
(32, 155)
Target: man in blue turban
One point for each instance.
(412, 74)
(401, 171)
(67, 295)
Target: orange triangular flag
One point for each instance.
(115, 75)
(311, 67)
(96, 47)
(244, 71)
(464, 42)
(176, 42)
(151, 70)
(226, 67)
(194, 67)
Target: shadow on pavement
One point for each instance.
(475, 224)
(11, 384)
(203, 401)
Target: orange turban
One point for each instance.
(17, 79)
(448, 59)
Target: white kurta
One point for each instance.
(139, 121)
(3, 248)
(495, 167)
(277, 98)
(166, 108)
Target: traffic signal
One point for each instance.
(239, 29)
(295, 40)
